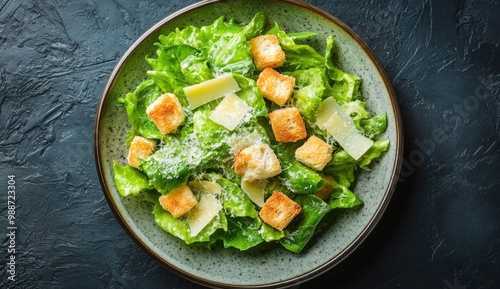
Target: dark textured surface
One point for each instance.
(442, 229)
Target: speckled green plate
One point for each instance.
(269, 266)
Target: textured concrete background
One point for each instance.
(442, 229)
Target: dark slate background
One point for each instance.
(440, 231)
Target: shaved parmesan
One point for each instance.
(202, 214)
(326, 109)
(206, 187)
(255, 190)
(201, 93)
(230, 111)
(340, 126)
(330, 107)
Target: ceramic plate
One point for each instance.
(267, 267)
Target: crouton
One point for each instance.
(257, 162)
(140, 148)
(166, 112)
(178, 201)
(275, 86)
(279, 210)
(314, 153)
(287, 124)
(266, 51)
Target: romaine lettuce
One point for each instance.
(251, 94)
(378, 147)
(129, 181)
(223, 43)
(180, 228)
(343, 86)
(179, 157)
(135, 104)
(343, 198)
(178, 66)
(242, 233)
(308, 96)
(374, 126)
(295, 176)
(303, 228)
(236, 202)
(298, 56)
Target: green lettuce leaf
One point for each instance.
(190, 35)
(301, 35)
(179, 156)
(343, 86)
(231, 54)
(129, 181)
(216, 139)
(374, 126)
(180, 228)
(255, 27)
(298, 56)
(295, 176)
(235, 201)
(374, 153)
(242, 233)
(356, 109)
(343, 167)
(269, 233)
(210, 133)
(178, 66)
(303, 227)
(224, 43)
(308, 96)
(135, 104)
(343, 198)
(251, 94)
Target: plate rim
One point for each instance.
(345, 252)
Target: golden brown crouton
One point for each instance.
(257, 162)
(287, 124)
(266, 51)
(178, 201)
(166, 112)
(279, 210)
(275, 86)
(314, 153)
(140, 148)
